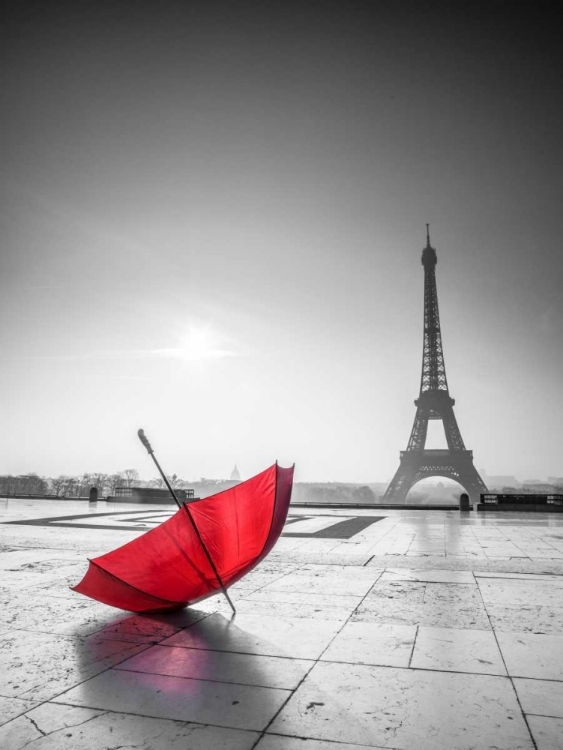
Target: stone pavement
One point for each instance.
(398, 629)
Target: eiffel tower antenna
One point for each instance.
(434, 402)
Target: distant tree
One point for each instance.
(130, 477)
(113, 481)
(74, 486)
(24, 484)
(363, 495)
(83, 485)
(324, 494)
(60, 485)
(7, 484)
(175, 481)
(32, 484)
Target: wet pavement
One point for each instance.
(395, 629)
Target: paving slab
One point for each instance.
(372, 643)
(20, 610)
(518, 593)
(402, 708)
(456, 650)
(61, 727)
(159, 696)
(547, 732)
(298, 598)
(338, 580)
(540, 620)
(532, 655)
(447, 605)
(542, 697)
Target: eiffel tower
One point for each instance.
(434, 402)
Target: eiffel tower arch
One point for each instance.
(433, 403)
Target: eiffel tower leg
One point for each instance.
(417, 440)
(471, 481)
(400, 484)
(451, 430)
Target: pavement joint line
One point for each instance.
(506, 668)
(420, 669)
(413, 646)
(226, 651)
(327, 741)
(207, 679)
(543, 716)
(151, 716)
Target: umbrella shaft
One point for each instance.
(209, 558)
(166, 482)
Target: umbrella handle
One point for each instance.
(145, 441)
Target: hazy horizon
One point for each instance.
(146, 478)
(212, 218)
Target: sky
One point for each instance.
(211, 223)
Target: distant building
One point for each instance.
(235, 475)
(152, 495)
(539, 487)
(502, 481)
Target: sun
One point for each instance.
(197, 344)
(200, 343)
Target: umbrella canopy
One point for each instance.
(167, 567)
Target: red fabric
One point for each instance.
(167, 567)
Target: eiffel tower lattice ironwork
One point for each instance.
(434, 402)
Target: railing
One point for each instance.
(521, 502)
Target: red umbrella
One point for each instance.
(204, 548)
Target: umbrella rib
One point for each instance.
(135, 588)
(273, 514)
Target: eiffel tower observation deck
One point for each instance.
(434, 403)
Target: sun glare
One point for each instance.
(200, 343)
(196, 345)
